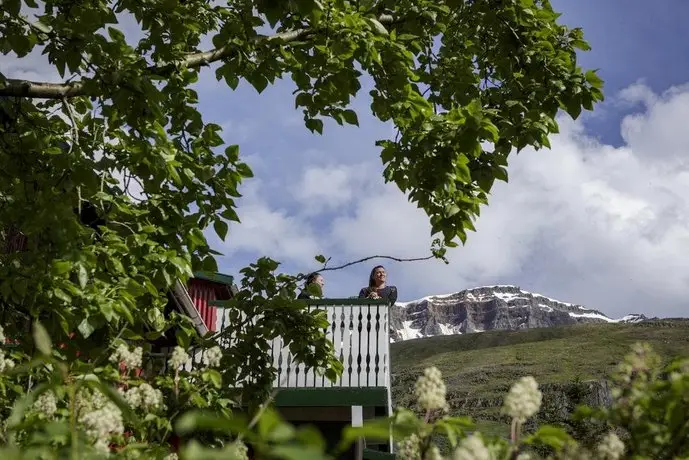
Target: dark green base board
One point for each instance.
(332, 397)
(370, 454)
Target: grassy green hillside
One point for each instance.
(479, 368)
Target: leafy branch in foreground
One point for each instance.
(62, 91)
(465, 84)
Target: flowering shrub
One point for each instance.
(114, 411)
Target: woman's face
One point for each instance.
(379, 275)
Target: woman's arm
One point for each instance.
(363, 293)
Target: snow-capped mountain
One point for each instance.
(487, 308)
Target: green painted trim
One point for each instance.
(370, 454)
(215, 277)
(332, 397)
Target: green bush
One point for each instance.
(51, 410)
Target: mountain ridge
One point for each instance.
(498, 307)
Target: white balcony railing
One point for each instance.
(359, 330)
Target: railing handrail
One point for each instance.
(344, 301)
(325, 302)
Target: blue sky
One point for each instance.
(560, 245)
(631, 40)
(601, 220)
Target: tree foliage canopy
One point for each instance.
(465, 83)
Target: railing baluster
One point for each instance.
(289, 362)
(341, 357)
(350, 359)
(359, 328)
(378, 338)
(307, 370)
(368, 345)
(279, 376)
(386, 346)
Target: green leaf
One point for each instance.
(198, 420)
(377, 26)
(269, 421)
(314, 125)
(85, 328)
(315, 290)
(573, 106)
(258, 80)
(462, 169)
(60, 267)
(351, 117)
(42, 339)
(244, 170)
(320, 259)
(298, 453)
(552, 436)
(221, 228)
(373, 430)
(232, 153)
(42, 27)
(116, 35)
(501, 174)
(213, 376)
(82, 276)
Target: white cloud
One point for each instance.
(269, 232)
(585, 222)
(329, 187)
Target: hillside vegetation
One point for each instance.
(572, 364)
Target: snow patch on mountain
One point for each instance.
(478, 309)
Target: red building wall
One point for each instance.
(202, 292)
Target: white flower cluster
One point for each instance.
(433, 453)
(179, 358)
(144, 396)
(171, 456)
(430, 390)
(472, 448)
(237, 451)
(100, 418)
(523, 400)
(46, 404)
(409, 448)
(611, 447)
(131, 359)
(212, 357)
(5, 363)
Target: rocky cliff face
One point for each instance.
(488, 308)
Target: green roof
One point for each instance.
(215, 277)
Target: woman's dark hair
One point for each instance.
(311, 278)
(371, 280)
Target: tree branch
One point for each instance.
(44, 90)
(366, 259)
